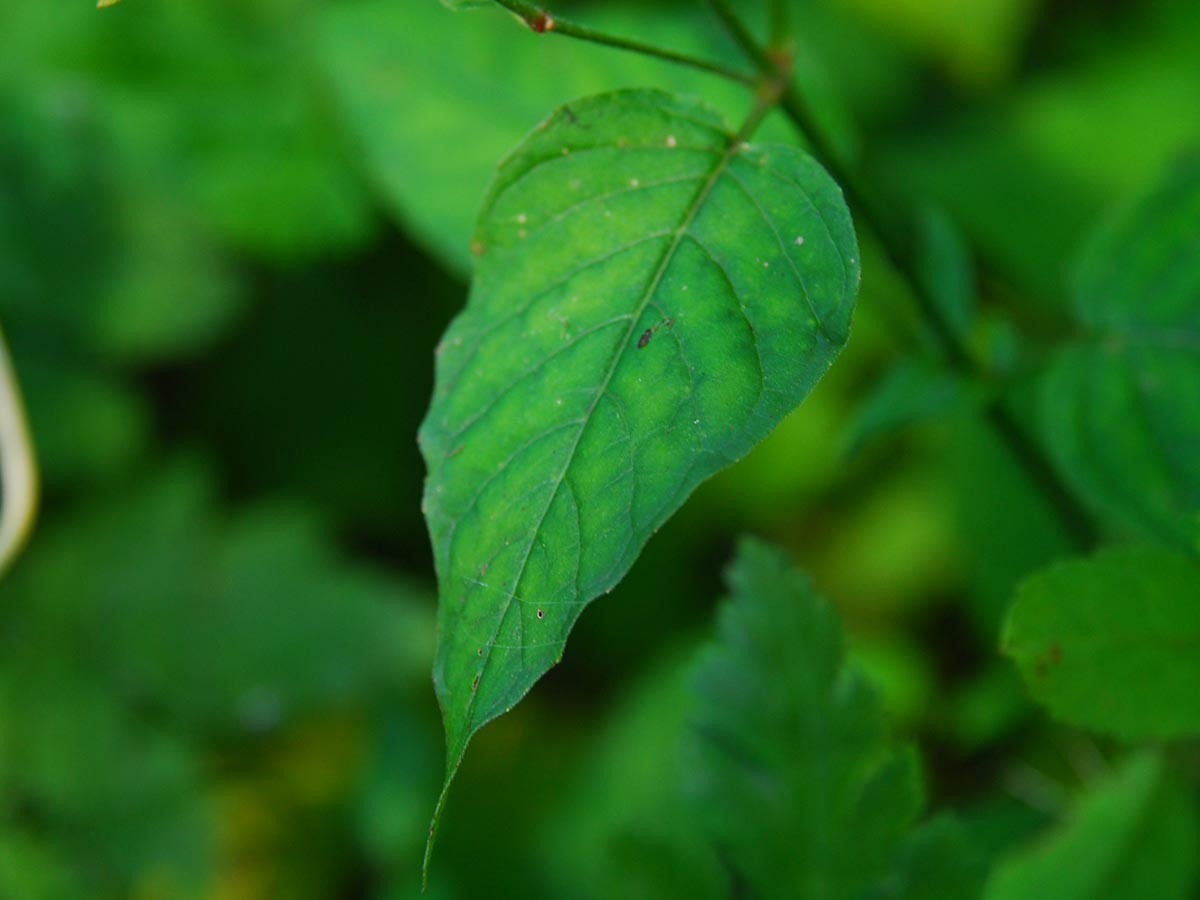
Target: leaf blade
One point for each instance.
(798, 784)
(1121, 405)
(688, 330)
(1109, 643)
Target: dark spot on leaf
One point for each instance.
(541, 22)
(645, 338)
(570, 114)
(541, 614)
(480, 651)
(475, 683)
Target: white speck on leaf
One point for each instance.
(671, 142)
(799, 240)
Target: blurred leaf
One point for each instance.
(687, 288)
(91, 256)
(796, 781)
(1132, 837)
(32, 869)
(1121, 407)
(978, 41)
(214, 104)
(946, 269)
(909, 392)
(86, 425)
(626, 829)
(434, 116)
(1004, 539)
(232, 627)
(1110, 643)
(937, 862)
(121, 797)
(1026, 172)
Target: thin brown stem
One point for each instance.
(543, 21)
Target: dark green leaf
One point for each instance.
(1112, 643)
(909, 392)
(1130, 838)
(937, 862)
(944, 264)
(797, 782)
(1122, 405)
(156, 588)
(650, 300)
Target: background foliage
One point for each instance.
(230, 236)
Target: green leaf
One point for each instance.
(1132, 837)
(626, 828)
(797, 781)
(1122, 405)
(909, 392)
(158, 585)
(650, 300)
(1112, 643)
(937, 862)
(433, 116)
(944, 266)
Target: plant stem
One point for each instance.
(779, 28)
(1024, 449)
(545, 22)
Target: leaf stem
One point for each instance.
(18, 471)
(779, 26)
(1023, 447)
(545, 22)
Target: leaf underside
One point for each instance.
(650, 299)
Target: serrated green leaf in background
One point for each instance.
(1112, 643)
(651, 298)
(158, 586)
(796, 781)
(1121, 405)
(1131, 837)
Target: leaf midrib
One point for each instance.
(672, 249)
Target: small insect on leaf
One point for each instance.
(645, 338)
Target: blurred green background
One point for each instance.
(230, 235)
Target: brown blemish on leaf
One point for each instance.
(542, 22)
(645, 338)
(541, 614)
(1056, 653)
(477, 248)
